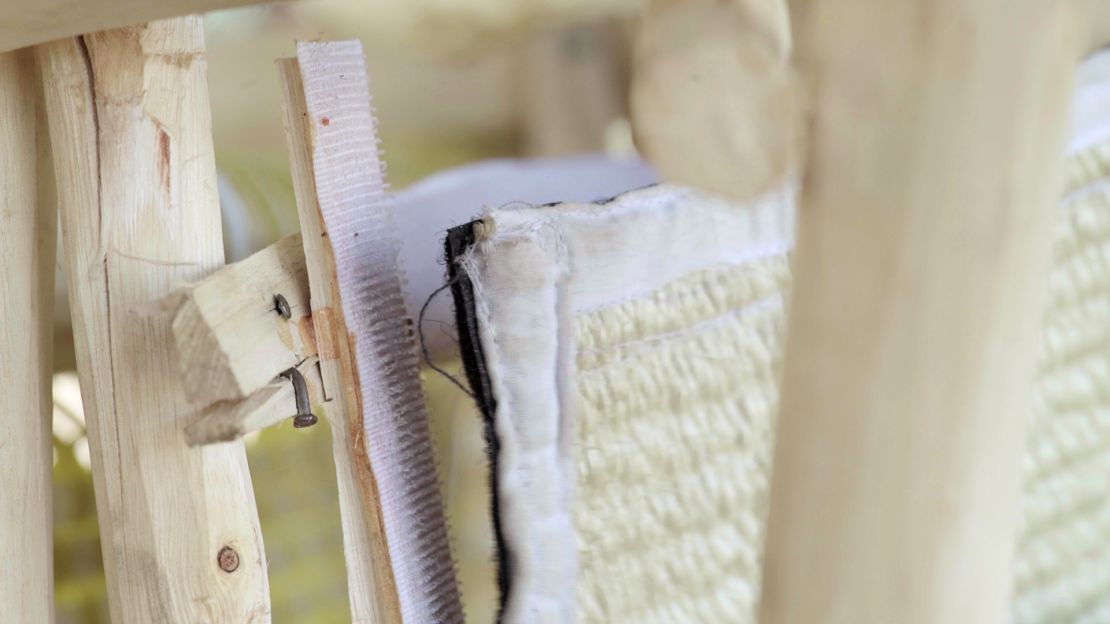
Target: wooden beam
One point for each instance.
(28, 224)
(27, 23)
(924, 243)
(370, 582)
(131, 137)
(230, 338)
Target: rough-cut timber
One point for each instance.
(924, 241)
(230, 338)
(28, 223)
(131, 138)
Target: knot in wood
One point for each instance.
(228, 559)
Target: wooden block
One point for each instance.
(925, 231)
(131, 138)
(28, 224)
(27, 23)
(229, 337)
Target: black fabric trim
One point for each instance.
(459, 240)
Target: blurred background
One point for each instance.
(453, 82)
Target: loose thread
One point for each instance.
(424, 347)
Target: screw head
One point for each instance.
(228, 559)
(282, 307)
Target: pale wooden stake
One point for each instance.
(370, 581)
(130, 132)
(27, 230)
(924, 243)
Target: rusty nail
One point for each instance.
(228, 559)
(282, 307)
(304, 417)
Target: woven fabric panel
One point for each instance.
(1063, 570)
(677, 392)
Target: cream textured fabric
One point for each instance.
(1063, 571)
(673, 447)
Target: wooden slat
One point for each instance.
(130, 131)
(924, 242)
(230, 339)
(28, 224)
(27, 23)
(370, 581)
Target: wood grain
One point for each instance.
(924, 244)
(28, 225)
(130, 131)
(370, 583)
(230, 339)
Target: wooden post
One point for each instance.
(924, 244)
(230, 338)
(130, 131)
(27, 230)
